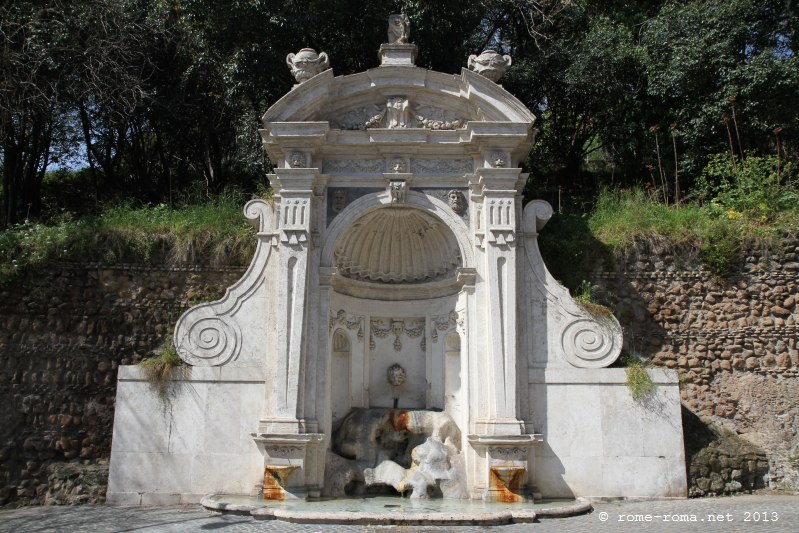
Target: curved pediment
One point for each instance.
(399, 97)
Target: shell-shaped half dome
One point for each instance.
(397, 244)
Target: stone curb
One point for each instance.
(522, 515)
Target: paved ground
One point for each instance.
(760, 513)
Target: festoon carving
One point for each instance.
(350, 322)
(442, 323)
(381, 328)
(490, 64)
(306, 64)
(398, 113)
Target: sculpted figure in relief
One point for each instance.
(490, 64)
(297, 159)
(398, 165)
(306, 64)
(399, 29)
(498, 159)
(457, 202)
(397, 191)
(397, 114)
(339, 201)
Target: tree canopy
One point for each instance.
(153, 97)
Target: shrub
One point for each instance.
(757, 186)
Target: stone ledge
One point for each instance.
(603, 376)
(196, 374)
(145, 268)
(306, 515)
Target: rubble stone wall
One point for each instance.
(735, 343)
(65, 330)
(63, 333)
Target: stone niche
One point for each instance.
(397, 330)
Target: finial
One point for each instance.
(399, 29)
(490, 64)
(306, 64)
(398, 51)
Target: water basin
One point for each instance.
(390, 510)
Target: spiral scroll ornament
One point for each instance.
(592, 343)
(209, 341)
(535, 216)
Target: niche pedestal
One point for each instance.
(293, 465)
(505, 467)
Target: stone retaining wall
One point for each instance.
(64, 332)
(735, 343)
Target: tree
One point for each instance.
(707, 60)
(64, 65)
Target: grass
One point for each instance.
(638, 381)
(158, 369)
(626, 221)
(587, 297)
(214, 233)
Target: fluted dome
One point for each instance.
(397, 245)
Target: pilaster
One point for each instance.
(497, 192)
(284, 413)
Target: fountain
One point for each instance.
(397, 332)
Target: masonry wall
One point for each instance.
(65, 331)
(735, 343)
(63, 334)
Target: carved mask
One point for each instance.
(457, 202)
(339, 201)
(395, 375)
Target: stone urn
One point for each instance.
(306, 64)
(490, 64)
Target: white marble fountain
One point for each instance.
(397, 331)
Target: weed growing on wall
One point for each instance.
(638, 381)
(158, 370)
(587, 297)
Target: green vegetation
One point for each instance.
(158, 369)
(639, 383)
(587, 296)
(688, 112)
(737, 203)
(153, 97)
(213, 232)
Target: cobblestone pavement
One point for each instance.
(760, 513)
